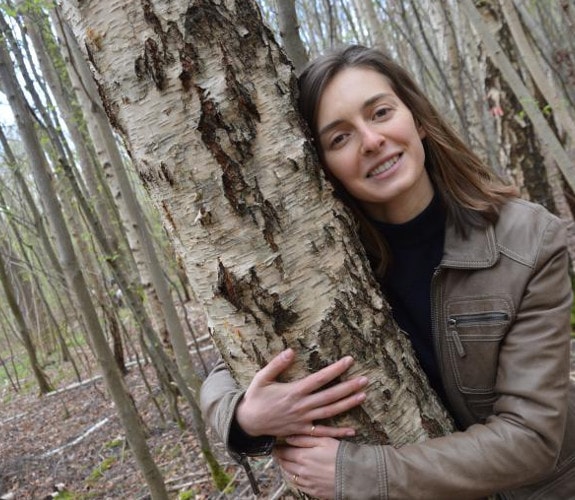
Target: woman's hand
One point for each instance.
(308, 463)
(284, 409)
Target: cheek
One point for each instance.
(335, 163)
(422, 154)
(335, 172)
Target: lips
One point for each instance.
(386, 165)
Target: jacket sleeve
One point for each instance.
(219, 397)
(519, 444)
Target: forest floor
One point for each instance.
(72, 440)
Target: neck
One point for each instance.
(399, 211)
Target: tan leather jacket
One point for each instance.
(501, 304)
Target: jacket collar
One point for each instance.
(477, 251)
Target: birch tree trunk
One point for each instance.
(289, 31)
(204, 100)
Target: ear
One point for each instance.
(421, 130)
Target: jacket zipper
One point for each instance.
(435, 318)
(463, 319)
(479, 317)
(458, 344)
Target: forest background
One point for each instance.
(502, 71)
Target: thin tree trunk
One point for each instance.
(289, 31)
(374, 22)
(9, 326)
(44, 385)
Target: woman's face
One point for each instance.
(372, 145)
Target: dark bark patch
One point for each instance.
(270, 217)
(311, 165)
(154, 63)
(229, 287)
(94, 39)
(329, 235)
(168, 215)
(328, 334)
(205, 216)
(315, 362)
(152, 20)
(242, 97)
(110, 108)
(146, 177)
(247, 294)
(200, 16)
(432, 427)
(233, 181)
(140, 67)
(150, 16)
(271, 305)
(167, 174)
(260, 359)
(185, 78)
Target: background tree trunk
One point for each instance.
(289, 30)
(203, 98)
(44, 385)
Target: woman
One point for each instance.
(477, 277)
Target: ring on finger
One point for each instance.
(295, 478)
(312, 430)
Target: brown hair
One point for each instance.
(471, 192)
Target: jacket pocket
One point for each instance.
(475, 329)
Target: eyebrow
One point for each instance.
(369, 102)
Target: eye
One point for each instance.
(381, 112)
(337, 140)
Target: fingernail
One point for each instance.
(350, 433)
(287, 354)
(348, 360)
(360, 397)
(363, 381)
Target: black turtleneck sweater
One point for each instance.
(416, 249)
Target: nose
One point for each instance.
(371, 140)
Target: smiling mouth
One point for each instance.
(384, 166)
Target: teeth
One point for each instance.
(384, 166)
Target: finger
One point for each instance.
(337, 392)
(285, 455)
(301, 441)
(336, 408)
(275, 367)
(317, 380)
(334, 432)
(288, 471)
